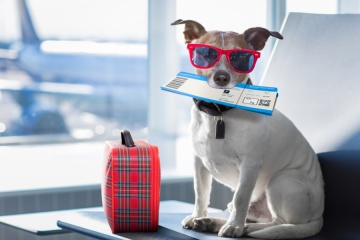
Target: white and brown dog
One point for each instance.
(266, 161)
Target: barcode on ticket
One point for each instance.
(176, 83)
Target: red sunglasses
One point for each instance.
(206, 56)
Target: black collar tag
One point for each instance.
(220, 129)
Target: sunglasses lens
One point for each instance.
(242, 61)
(204, 56)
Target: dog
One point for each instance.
(265, 160)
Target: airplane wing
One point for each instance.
(8, 54)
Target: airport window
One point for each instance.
(78, 81)
(74, 73)
(75, 82)
(74, 70)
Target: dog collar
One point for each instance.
(212, 109)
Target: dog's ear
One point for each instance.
(193, 30)
(258, 36)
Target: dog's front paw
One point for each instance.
(188, 222)
(206, 224)
(229, 230)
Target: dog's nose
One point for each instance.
(222, 78)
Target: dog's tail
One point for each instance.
(289, 231)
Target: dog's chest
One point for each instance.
(217, 155)
(246, 134)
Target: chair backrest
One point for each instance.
(317, 71)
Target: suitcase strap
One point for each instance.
(126, 139)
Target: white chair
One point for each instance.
(317, 71)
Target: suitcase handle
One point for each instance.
(126, 139)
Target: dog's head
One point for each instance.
(224, 69)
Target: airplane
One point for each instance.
(92, 74)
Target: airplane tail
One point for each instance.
(28, 32)
(289, 231)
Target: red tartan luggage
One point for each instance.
(131, 185)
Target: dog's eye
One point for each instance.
(241, 60)
(233, 57)
(206, 52)
(240, 56)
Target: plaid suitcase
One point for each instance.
(131, 185)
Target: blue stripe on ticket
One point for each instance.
(192, 75)
(262, 88)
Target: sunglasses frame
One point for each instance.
(192, 46)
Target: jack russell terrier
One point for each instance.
(273, 171)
